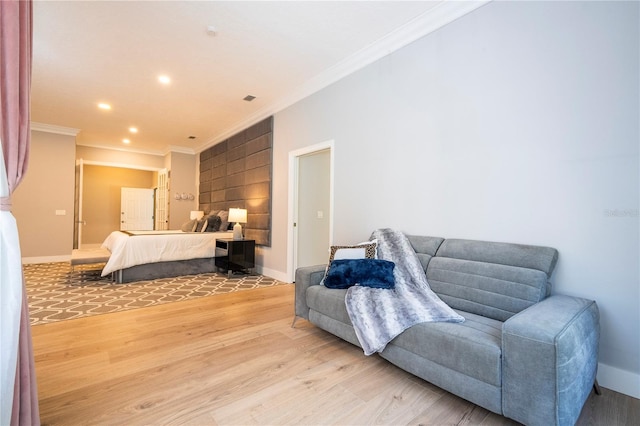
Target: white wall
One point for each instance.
(517, 123)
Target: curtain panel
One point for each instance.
(18, 392)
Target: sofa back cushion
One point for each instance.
(425, 247)
(495, 280)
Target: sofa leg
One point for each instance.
(596, 387)
(293, 324)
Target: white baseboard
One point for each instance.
(618, 380)
(46, 259)
(280, 276)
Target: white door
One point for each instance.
(136, 209)
(162, 200)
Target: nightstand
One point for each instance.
(235, 255)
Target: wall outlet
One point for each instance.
(320, 214)
(61, 212)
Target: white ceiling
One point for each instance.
(86, 52)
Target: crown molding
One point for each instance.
(120, 165)
(426, 23)
(123, 149)
(179, 149)
(50, 128)
(169, 149)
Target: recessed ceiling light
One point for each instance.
(248, 98)
(126, 141)
(164, 79)
(133, 129)
(104, 106)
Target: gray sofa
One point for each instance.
(521, 352)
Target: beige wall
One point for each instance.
(47, 187)
(182, 179)
(101, 198)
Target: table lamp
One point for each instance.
(238, 216)
(196, 214)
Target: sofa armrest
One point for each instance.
(549, 360)
(306, 277)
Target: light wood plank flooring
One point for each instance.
(233, 359)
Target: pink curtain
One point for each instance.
(15, 92)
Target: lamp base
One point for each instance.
(237, 231)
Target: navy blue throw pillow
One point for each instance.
(345, 273)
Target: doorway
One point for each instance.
(311, 206)
(98, 199)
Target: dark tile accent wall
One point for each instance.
(237, 173)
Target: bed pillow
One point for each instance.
(376, 273)
(189, 226)
(224, 219)
(201, 225)
(213, 223)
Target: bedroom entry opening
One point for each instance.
(311, 225)
(98, 198)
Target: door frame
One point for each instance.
(78, 222)
(161, 211)
(294, 160)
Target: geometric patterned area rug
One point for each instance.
(56, 294)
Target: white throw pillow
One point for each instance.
(365, 250)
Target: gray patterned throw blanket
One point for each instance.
(379, 315)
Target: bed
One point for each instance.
(148, 255)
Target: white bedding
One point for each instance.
(158, 246)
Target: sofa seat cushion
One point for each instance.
(329, 302)
(472, 348)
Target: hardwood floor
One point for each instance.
(234, 359)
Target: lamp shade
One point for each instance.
(196, 214)
(238, 215)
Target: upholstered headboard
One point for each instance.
(237, 173)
